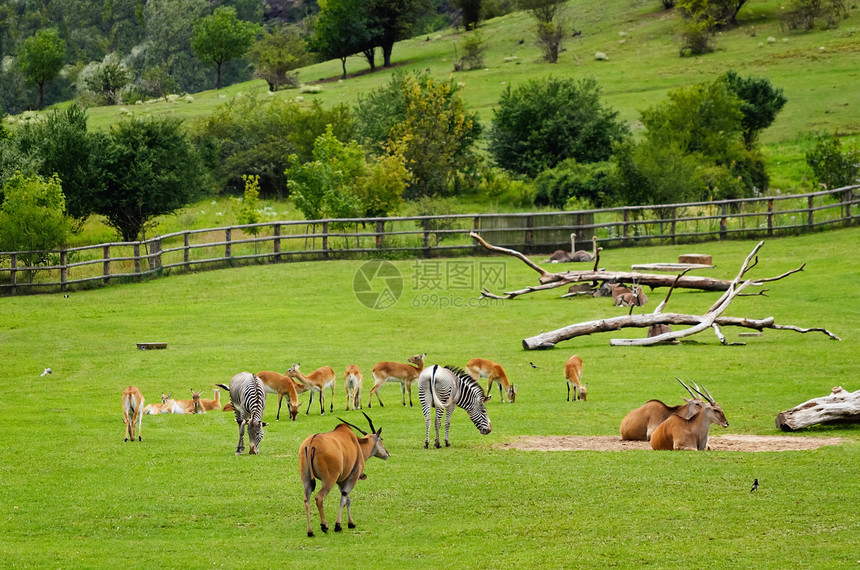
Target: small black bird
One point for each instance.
(532, 364)
(755, 486)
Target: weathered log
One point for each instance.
(838, 407)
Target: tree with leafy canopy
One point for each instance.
(222, 37)
(341, 29)
(41, 57)
(543, 122)
(277, 54)
(32, 216)
(394, 20)
(151, 169)
(761, 102)
(549, 25)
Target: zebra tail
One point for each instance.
(223, 386)
(436, 401)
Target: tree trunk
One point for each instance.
(839, 407)
(343, 63)
(387, 48)
(217, 75)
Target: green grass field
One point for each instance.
(74, 495)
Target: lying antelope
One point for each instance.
(639, 424)
(132, 412)
(352, 381)
(215, 404)
(282, 386)
(167, 406)
(406, 374)
(573, 377)
(338, 457)
(482, 368)
(316, 381)
(192, 406)
(692, 434)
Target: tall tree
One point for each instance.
(222, 37)
(41, 58)
(169, 27)
(761, 102)
(341, 30)
(32, 216)
(277, 54)
(549, 25)
(394, 20)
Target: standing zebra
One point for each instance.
(248, 396)
(444, 388)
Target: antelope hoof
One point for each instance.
(139, 438)
(337, 527)
(350, 525)
(126, 439)
(311, 533)
(324, 527)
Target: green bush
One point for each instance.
(594, 184)
(32, 216)
(542, 123)
(831, 167)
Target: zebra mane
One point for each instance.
(466, 378)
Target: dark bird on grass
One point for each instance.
(755, 486)
(532, 364)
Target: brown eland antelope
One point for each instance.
(282, 386)
(482, 368)
(406, 374)
(316, 381)
(639, 424)
(573, 377)
(338, 457)
(352, 381)
(680, 433)
(132, 412)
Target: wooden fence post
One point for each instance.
(13, 274)
(426, 224)
(155, 254)
(724, 221)
(625, 230)
(529, 238)
(849, 195)
(325, 239)
(277, 242)
(770, 217)
(106, 264)
(380, 226)
(186, 252)
(228, 248)
(64, 271)
(137, 260)
(809, 201)
(672, 224)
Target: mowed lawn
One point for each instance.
(74, 495)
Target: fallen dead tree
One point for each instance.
(838, 407)
(712, 318)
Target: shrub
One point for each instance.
(32, 216)
(803, 14)
(594, 184)
(473, 53)
(831, 167)
(543, 122)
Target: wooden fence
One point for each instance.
(426, 236)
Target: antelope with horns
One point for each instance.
(573, 377)
(639, 424)
(482, 368)
(282, 386)
(316, 381)
(352, 381)
(679, 433)
(338, 457)
(406, 374)
(192, 406)
(167, 406)
(132, 412)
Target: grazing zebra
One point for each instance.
(446, 387)
(248, 396)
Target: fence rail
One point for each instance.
(428, 236)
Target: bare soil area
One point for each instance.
(717, 443)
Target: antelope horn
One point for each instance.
(356, 428)
(706, 396)
(687, 387)
(370, 422)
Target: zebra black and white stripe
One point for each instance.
(248, 396)
(444, 388)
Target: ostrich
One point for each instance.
(561, 256)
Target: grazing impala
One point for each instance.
(573, 375)
(282, 386)
(406, 374)
(482, 368)
(132, 412)
(639, 424)
(680, 433)
(316, 381)
(338, 457)
(352, 381)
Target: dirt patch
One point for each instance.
(717, 443)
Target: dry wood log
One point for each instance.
(551, 280)
(838, 407)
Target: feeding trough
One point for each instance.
(151, 345)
